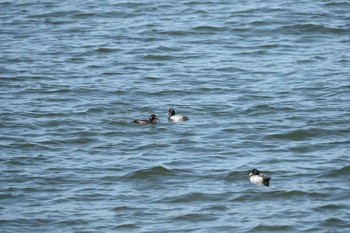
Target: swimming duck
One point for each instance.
(173, 117)
(152, 119)
(257, 178)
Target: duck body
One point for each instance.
(173, 117)
(152, 119)
(257, 178)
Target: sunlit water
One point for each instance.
(265, 84)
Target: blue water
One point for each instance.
(265, 84)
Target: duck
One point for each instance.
(173, 117)
(152, 119)
(257, 178)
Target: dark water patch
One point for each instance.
(39, 189)
(311, 29)
(230, 69)
(158, 57)
(331, 207)
(84, 15)
(272, 228)
(297, 194)
(106, 50)
(55, 180)
(195, 217)
(98, 109)
(118, 121)
(126, 227)
(172, 92)
(128, 209)
(5, 3)
(110, 178)
(143, 149)
(192, 197)
(234, 177)
(208, 29)
(265, 23)
(275, 195)
(4, 196)
(174, 32)
(335, 222)
(296, 135)
(304, 149)
(75, 141)
(335, 4)
(22, 224)
(344, 171)
(55, 14)
(215, 208)
(91, 195)
(57, 21)
(153, 78)
(259, 108)
(153, 173)
(132, 5)
(168, 49)
(112, 73)
(23, 160)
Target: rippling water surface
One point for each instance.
(266, 84)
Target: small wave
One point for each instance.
(72, 141)
(208, 28)
(274, 195)
(340, 4)
(193, 197)
(158, 57)
(83, 15)
(27, 222)
(330, 207)
(295, 135)
(310, 29)
(4, 196)
(56, 14)
(335, 222)
(236, 176)
(295, 194)
(150, 173)
(5, 3)
(272, 228)
(97, 109)
(105, 50)
(127, 227)
(168, 48)
(22, 160)
(174, 33)
(40, 145)
(195, 217)
(344, 171)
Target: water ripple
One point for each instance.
(264, 83)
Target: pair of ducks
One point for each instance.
(171, 117)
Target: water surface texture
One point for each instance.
(266, 84)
